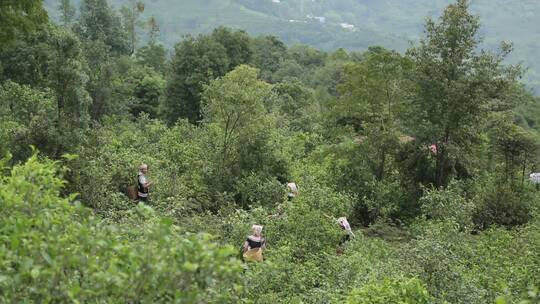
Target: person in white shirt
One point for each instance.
(142, 183)
(292, 190)
(344, 224)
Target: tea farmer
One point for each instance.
(254, 245)
(344, 224)
(535, 179)
(292, 190)
(142, 183)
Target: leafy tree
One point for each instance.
(104, 40)
(153, 30)
(237, 45)
(234, 106)
(140, 87)
(268, 52)
(98, 21)
(234, 103)
(306, 56)
(67, 12)
(294, 100)
(20, 16)
(131, 16)
(196, 62)
(101, 72)
(153, 55)
(68, 78)
(514, 148)
(52, 58)
(28, 117)
(455, 85)
(375, 91)
(288, 70)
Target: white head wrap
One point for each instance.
(257, 229)
(343, 223)
(535, 177)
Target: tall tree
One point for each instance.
(236, 43)
(514, 147)
(153, 30)
(375, 91)
(104, 41)
(268, 53)
(20, 16)
(25, 119)
(140, 88)
(456, 83)
(101, 73)
(67, 12)
(196, 62)
(99, 21)
(153, 55)
(295, 102)
(52, 59)
(234, 107)
(131, 14)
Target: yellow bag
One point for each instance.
(253, 255)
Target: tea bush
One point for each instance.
(54, 250)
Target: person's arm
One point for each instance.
(144, 182)
(263, 245)
(246, 246)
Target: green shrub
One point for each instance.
(254, 189)
(532, 297)
(54, 251)
(501, 205)
(391, 291)
(27, 118)
(448, 205)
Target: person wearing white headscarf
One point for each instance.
(292, 190)
(535, 179)
(344, 224)
(142, 183)
(254, 245)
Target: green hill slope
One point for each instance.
(350, 24)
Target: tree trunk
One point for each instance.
(441, 171)
(380, 170)
(440, 174)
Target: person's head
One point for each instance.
(143, 168)
(256, 230)
(343, 223)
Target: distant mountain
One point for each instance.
(349, 24)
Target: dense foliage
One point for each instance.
(320, 23)
(426, 152)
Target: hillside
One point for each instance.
(349, 24)
(239, 169)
